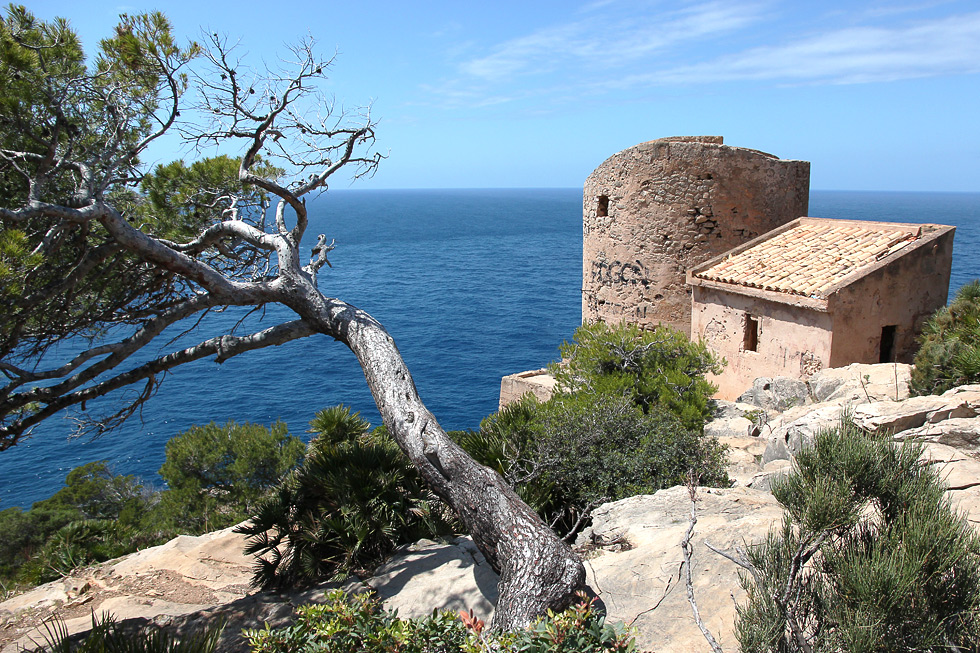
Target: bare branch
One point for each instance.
(687, 549)
(222, 347)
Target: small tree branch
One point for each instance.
(687, 549)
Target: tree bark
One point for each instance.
(538, 571)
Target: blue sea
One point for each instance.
(472, 284)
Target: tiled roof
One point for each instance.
(811, 257)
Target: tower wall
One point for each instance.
(658, 208)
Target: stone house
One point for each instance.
(818, 293)
(652, 211)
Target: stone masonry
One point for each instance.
(659, 208)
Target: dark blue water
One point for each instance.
(472, 284)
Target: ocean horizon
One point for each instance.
(472, 284)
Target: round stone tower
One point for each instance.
(661, 207)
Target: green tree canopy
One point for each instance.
(659, 367)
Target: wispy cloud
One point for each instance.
(614, 47)
(946, 46)
(601, 42)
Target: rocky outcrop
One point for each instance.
(182, 585)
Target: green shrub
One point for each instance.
(870, 557)
(597, 448)
(360, 623)
(950, 351)
(352, 501)
(659, 367)
(49, 540)
(217, 474)
(576, 451)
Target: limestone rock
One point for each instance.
(860, 382)
(961, 473)
(641, 580)
(788, 438)
(428, 575)
(915, 412)
(960, 432)
(777, 393)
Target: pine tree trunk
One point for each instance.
(537, 569)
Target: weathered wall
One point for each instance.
(902, 292)
(793, 341)
(537, 382)
(669, 205)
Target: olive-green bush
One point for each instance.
(94, 517)
(950, 351)
(216, 474)
(870, 557)
(576, 451)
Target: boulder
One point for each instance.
(893, 417)
(776, 393)
(861, 382)
(789, 437)
(961, 473)
(427, 575)
(960, 432)
(635, 569)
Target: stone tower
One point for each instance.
(661, 207)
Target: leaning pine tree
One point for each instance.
(82, 252)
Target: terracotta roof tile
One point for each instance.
(809, 258)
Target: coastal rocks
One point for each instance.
(859, 382)
(427, 575)
(918, 411)
(181, 577)
(635, 561)
(778, 393)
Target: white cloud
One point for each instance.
(599, 42)
(946, 46)
(618, 47)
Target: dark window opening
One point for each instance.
(751, 341)
(602, 209)
(886, 353)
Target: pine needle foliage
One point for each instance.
(950, 351)
(657, 368)
(352, 501)
(870, 556)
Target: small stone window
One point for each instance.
(602, 206)
(751, 340)
(886, 350)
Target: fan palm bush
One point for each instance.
(352, 501)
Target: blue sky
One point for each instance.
(877, 95)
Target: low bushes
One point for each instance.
(567, 456)
(360, 623)
(215, 473)
(627, 418)
(658, 368)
